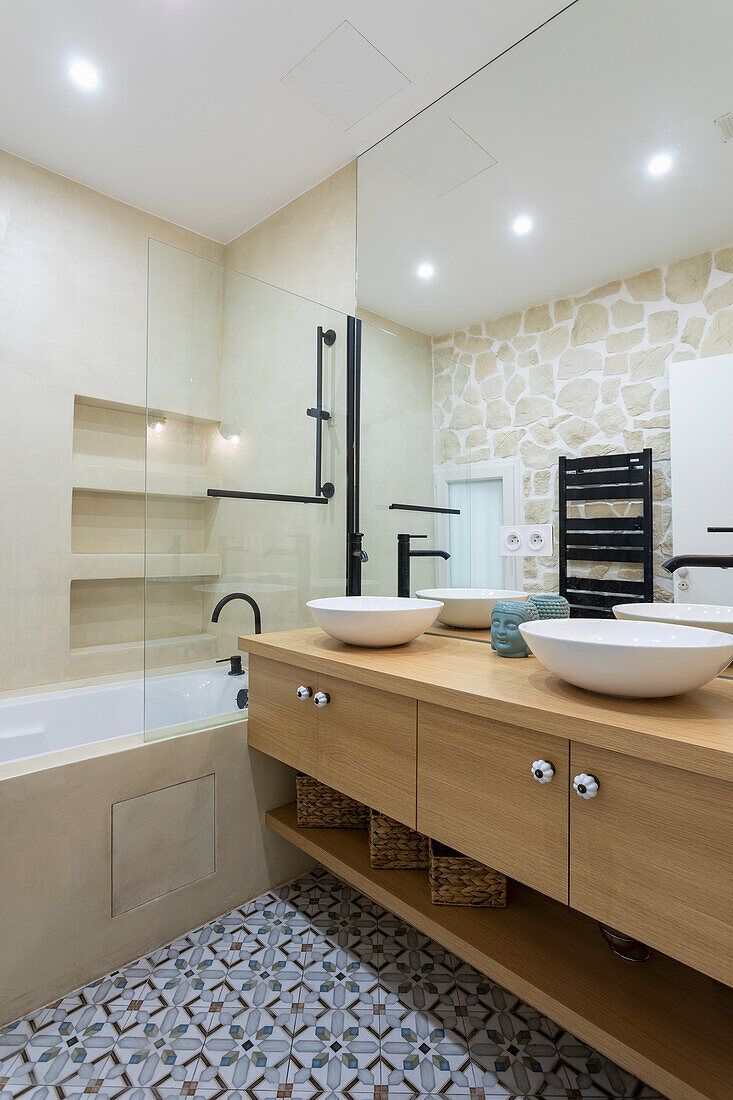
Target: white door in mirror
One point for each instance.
(585, 785)
(543, 771)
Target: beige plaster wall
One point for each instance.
(582, 376)
(281, 553)
(309, 246)
(397, 461)
(59, 876)
(73, 286)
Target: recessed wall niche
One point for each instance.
(139, 564)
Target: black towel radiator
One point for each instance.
(608, 539)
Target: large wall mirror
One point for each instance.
(545, 265)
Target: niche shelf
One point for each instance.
(119, 479)
(120, 535)
(661, 1020)
(127, 566)
(106, 660)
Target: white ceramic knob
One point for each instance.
(586, 785)
(304, 692)
(321, 698)
(542, 771)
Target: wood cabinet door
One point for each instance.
(652, 855)
(476, 792)
(367, 746)
(279, 723)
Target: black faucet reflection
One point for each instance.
(404, 553)
(695, 561)
(239, 596)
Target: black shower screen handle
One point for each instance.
(326, 337)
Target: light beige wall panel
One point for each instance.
(161, 841)
(186, 298)
(283, 554)
(55, 859)
(73, 289)
(309, 246)
(397, 464)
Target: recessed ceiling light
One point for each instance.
(522, 224)
(426, 271)
(659, 164)
(83, 74)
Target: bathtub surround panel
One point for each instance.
(56, 843)
(581, 376)
(162, 841)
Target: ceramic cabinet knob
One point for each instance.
(586, 785)
(542, 771)
(304, 692)
(321, 698)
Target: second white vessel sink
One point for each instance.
(643, 660)
(468, 608)
(374, 620)
(712, 616)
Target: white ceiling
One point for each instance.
(571, 117)
(193, 120)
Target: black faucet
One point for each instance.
(712, 561)
(238, 596)
(404, 553)
(356, 555)
(235, 663)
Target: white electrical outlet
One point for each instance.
(526, 540)
(510, 540)
(539, 539)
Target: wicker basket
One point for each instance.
(394, 846)
(320, 807)
(458, 880)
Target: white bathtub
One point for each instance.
(32, 725)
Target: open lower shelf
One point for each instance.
(660, 1019)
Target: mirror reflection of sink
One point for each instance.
(469, 608)
(643, 660)
(374, 620)
(709, 615)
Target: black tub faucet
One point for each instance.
(238, 596)
(404, 553)
(235, 664)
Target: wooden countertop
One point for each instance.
(692, 731)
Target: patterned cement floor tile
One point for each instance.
(310, 992)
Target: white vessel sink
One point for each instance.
(709, 615)
(469, 608)
(374, 620)
(644, 660)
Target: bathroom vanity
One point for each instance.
(442, 735)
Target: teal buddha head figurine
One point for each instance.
(505, 619)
